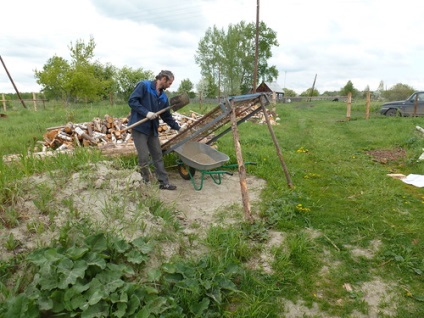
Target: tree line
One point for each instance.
(226, 58)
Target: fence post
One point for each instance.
(34, 98)
(349, 105)
(4, 102)
(367, 110)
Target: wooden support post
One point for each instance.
(241, 166)
(367, 110)
(349, 105)
(277, 147)
(34, 98)
(4, 102)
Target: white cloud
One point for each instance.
(364, 41)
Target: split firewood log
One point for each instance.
(97, 124)
(90, 130)
(83, 135)
(50, 135)
(77, 141)
(117, 123)
(62, 135)
(108, 122)
(69, 127)
(117, 134)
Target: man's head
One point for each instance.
(164, 79)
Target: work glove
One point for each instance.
(151, 115)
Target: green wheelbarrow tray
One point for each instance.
(200, 156)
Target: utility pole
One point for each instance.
(255, 75)
(13, 83)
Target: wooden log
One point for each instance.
(90, 130)
(83, 135)
(117, 124)
(97, 124)
(127, 137)
(117, 134)
(77, 141)
(108, 122)
(50, 135)
(62, 135)
(108, 118)
(69, 128)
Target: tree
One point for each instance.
(207, 88)
(398, 92)
(289, 92)
(227, 57)
(79, 79)
(107, 77)
(83, 83)
(186, 86)
(127, 78)
(307, 93)
(348, 88)
(54, 78)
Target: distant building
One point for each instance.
(271, 88)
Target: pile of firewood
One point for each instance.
(102, 131)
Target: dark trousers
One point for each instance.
(149, 145)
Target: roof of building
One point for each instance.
(273, 86)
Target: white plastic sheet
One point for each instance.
(414, 179)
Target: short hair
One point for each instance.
(165, 73)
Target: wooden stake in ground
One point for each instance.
(4, 102)
(34, 98)
(349, 105)
(241, 166)
(277, 147)
(367, 110)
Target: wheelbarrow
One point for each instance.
(202, 157)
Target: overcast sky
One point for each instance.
(365, 41)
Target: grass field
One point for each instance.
(345, 241)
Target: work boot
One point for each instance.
(167, 186)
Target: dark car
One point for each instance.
(413, 106)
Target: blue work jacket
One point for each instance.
(145, 99)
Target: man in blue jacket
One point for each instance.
(145, 101)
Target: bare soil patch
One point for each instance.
(387, 155)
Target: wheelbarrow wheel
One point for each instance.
(185, 171)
